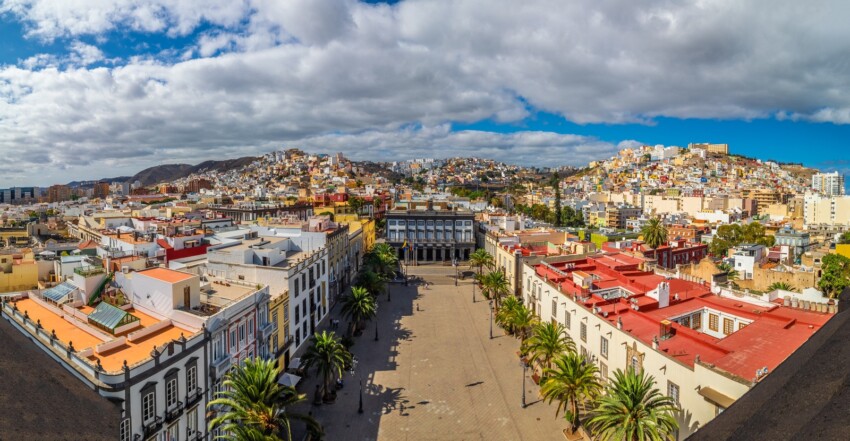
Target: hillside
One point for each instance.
(170, 172)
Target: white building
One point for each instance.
(828, 184)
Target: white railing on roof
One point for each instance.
(555, 270)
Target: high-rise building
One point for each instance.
(58, 193)
(101, 190)
(830, 184)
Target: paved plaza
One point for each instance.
(434, 373)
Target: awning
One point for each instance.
(289, 380)
(716, 397)
(295, 363)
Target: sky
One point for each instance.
(102, 88)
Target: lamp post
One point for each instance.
(524, 368)
(360, 409)
(454, 263)
(491, 319)
(376, 322)
(473, 291)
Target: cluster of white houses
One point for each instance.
(704, 349)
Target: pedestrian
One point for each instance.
(417, 306)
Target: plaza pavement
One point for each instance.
(434, 373)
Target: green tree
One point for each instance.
(256, 406)
(556, 184)
(494, 286)
(356, 204)
(844, 239)
(835, 274)
(480, 258)
(572, 382)
(547, 341)
(632, 409)
(358, 307)
(729, 236)
(522, 321)
(780, 285)
(371, 281)
(654, 233)
(504, 316)
(327, 354)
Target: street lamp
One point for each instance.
(524, 368)
(491, 319)
(473, 291)
(360, 409)
(454, 263)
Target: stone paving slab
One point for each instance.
(434, 374)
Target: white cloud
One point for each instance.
(289, 71)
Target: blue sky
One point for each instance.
(99, 91)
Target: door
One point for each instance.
(187, 300)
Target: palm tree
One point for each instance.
(494, 286)
(571, 382)
(328, 356)
(480, 258)
(632, 409)
(780, 285)
(547, 341)
(358, 306)
(504, 317)
(522, 320)
(256, 405)
(383, 260)
(731, 273)
(371, 281)
(654, 233)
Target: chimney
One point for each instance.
(655, 343)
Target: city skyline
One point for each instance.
(108, 91)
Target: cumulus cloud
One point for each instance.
(278, 72)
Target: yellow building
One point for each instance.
(843, 249)
(279, 315)
(18, 270)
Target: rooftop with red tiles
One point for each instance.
(767, 335)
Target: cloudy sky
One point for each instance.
(98, 88)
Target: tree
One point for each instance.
(356, 204)
(328, 356)
(780, 285)
(571, 382)
(255, 405)
(835, 274)
(547, 341)
(654, 233)
(494, 286)
(522, 321)
(556, 183)
(506, 312)
(729, 236)
(480, 258)
(359, 306)
(633, 409)
(371, 281)
(844, 239)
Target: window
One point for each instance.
(686, 321)
(741, 325)
(274, 343)
(583, 352)
(297, 314)
(297, 337)
(304, 307)
(673, 391)
(250, 328)
(304, 330)
(296, 288)
(603, 371)
(274, 319)
(173, 433)
(728, 326)
(712, 322)
(192, 421)
(635, 363)
(285, 311)
(232, 340)
(554, 308)
(603, 347)
(696, 321)
(567, 319)
(583, 332)
(124, 430)
(242, 333)
(170, 392)
(148, 406)
(191, 378)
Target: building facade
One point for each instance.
(432, 234)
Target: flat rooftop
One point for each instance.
(166, 275)
(73, 331)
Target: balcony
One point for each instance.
(194, 435)
(152, 427)
(174, 413)
(89, 271)
(266, 330)
(220, 366)
(194, 396)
